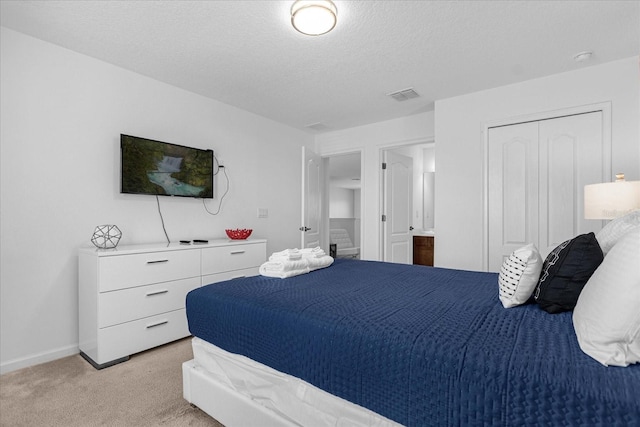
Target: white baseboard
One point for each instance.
(36, 359)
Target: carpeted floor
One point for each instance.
(144, 391)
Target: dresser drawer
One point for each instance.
(126, 271)
(143, 301)
(229, 258)
(229, 275)
(132, 337)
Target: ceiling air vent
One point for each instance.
(403, 95)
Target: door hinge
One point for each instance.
(384, 165)
(384, 218)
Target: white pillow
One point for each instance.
(614, 230)
(519, 276)
(607, 315)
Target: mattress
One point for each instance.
(288, 397)
(418, 345)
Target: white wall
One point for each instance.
(429, 187)
(344, 211)
(62, 114)
(459, 129)
(429, 154)
(341, 203)
(370, 140)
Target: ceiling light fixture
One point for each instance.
(314, 17)
(582, 56)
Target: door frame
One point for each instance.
(381, 155)
(326, 192)
(604, 107)
(371, 191)
(389, 207)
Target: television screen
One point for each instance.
(159, 168)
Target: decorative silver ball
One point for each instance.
(106, 236)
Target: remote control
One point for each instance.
(185, 242)
(200, 241)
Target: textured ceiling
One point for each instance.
(246, 54)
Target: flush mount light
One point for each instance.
(314, 17)
(582, 56)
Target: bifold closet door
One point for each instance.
(536, 175)
(570, 158)
(512, 189)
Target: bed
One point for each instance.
(395, 345)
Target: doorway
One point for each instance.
(412, 217)
(345, 195)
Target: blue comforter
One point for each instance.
(419, 345)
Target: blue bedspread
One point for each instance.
(422, 346)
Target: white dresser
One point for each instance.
(132, 298)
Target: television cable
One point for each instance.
(162, 220)
(224, 171)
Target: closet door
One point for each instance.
(570, 158)
(512, 189)
(535, 180)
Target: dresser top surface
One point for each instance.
(163, 247)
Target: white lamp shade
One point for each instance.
(314, 17)
(611, 199)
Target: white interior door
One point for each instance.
(571, 157)
(536, 175)
(397, 207)
(312, 182)
(512, 190)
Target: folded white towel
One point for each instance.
(320, 262)
(290, 257)
(292, 262)
(287, 254)
(282, 274)
(316, 252)
(311, 250)
(285, 265)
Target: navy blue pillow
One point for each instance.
(565, 271)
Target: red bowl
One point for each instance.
(239, 233)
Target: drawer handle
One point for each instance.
(149, 294)
(237, 252)
(158, 261)
(153, 325)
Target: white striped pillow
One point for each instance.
(519, 276)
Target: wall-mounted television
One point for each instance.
(164, 169)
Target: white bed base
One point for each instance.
(224, 404)
(238, 391)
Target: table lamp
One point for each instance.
(610, 200)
